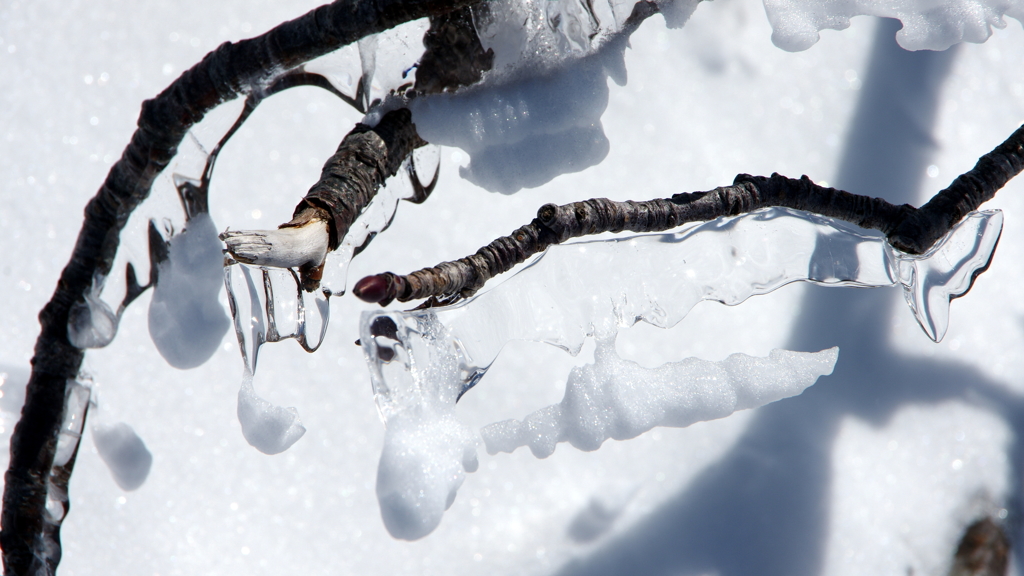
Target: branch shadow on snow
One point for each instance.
(764, 507)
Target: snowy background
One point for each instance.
(875, 469)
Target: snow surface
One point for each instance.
(874, 469)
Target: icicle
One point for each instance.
(422, 361)
(368, 62)
(269, 305)
(946, 271)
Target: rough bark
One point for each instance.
(232, 69)
(912, 230)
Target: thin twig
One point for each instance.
(349, 181)
(233, 68)
(907, 228)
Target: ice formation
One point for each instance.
(124, 453)
(927, 24)
(619, 399)
(91, 323)
(186, 321)
(422, 361)
(268, 428)
(273, 309)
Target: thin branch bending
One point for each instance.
(909, 229)
(29, 546)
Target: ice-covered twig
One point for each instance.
(349, 181)
(230, 70)
(911, 230)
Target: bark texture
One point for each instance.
(230, 70)
(912, 230)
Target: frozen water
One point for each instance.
(927, 24)
(124, 453)
(76, 404)
(268, 428)
(616, 398)
(273, 307)
(948, 269)
(422, 361)
(427, 450)
(91, 323)
(591, 288)
(186, 321)
(543, 33)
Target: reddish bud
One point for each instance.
(371, 288)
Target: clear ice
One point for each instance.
(422, 361)
(91, 322)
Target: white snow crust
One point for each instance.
(620, 399)
(268, 428)
(927, 24)
(186, 320)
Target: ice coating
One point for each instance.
(947, 270)
(927, 24)
(619, 399)
(542, 33)
(521, 131)
(375, 218)
(422, 361)
(124, 453)
(427, 450)
(269, 305)
(76, 403)
(268, 428)
(91, 323)
(186, 321)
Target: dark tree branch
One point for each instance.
(230, 70)
(907, 228)
(348, 183)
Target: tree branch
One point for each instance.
(349, 181)
(907, 228)
(233, 68)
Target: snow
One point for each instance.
(806, 485)
(124, 453)
(620, 399)
(268, 428)
(186, 320)
(927, 24)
